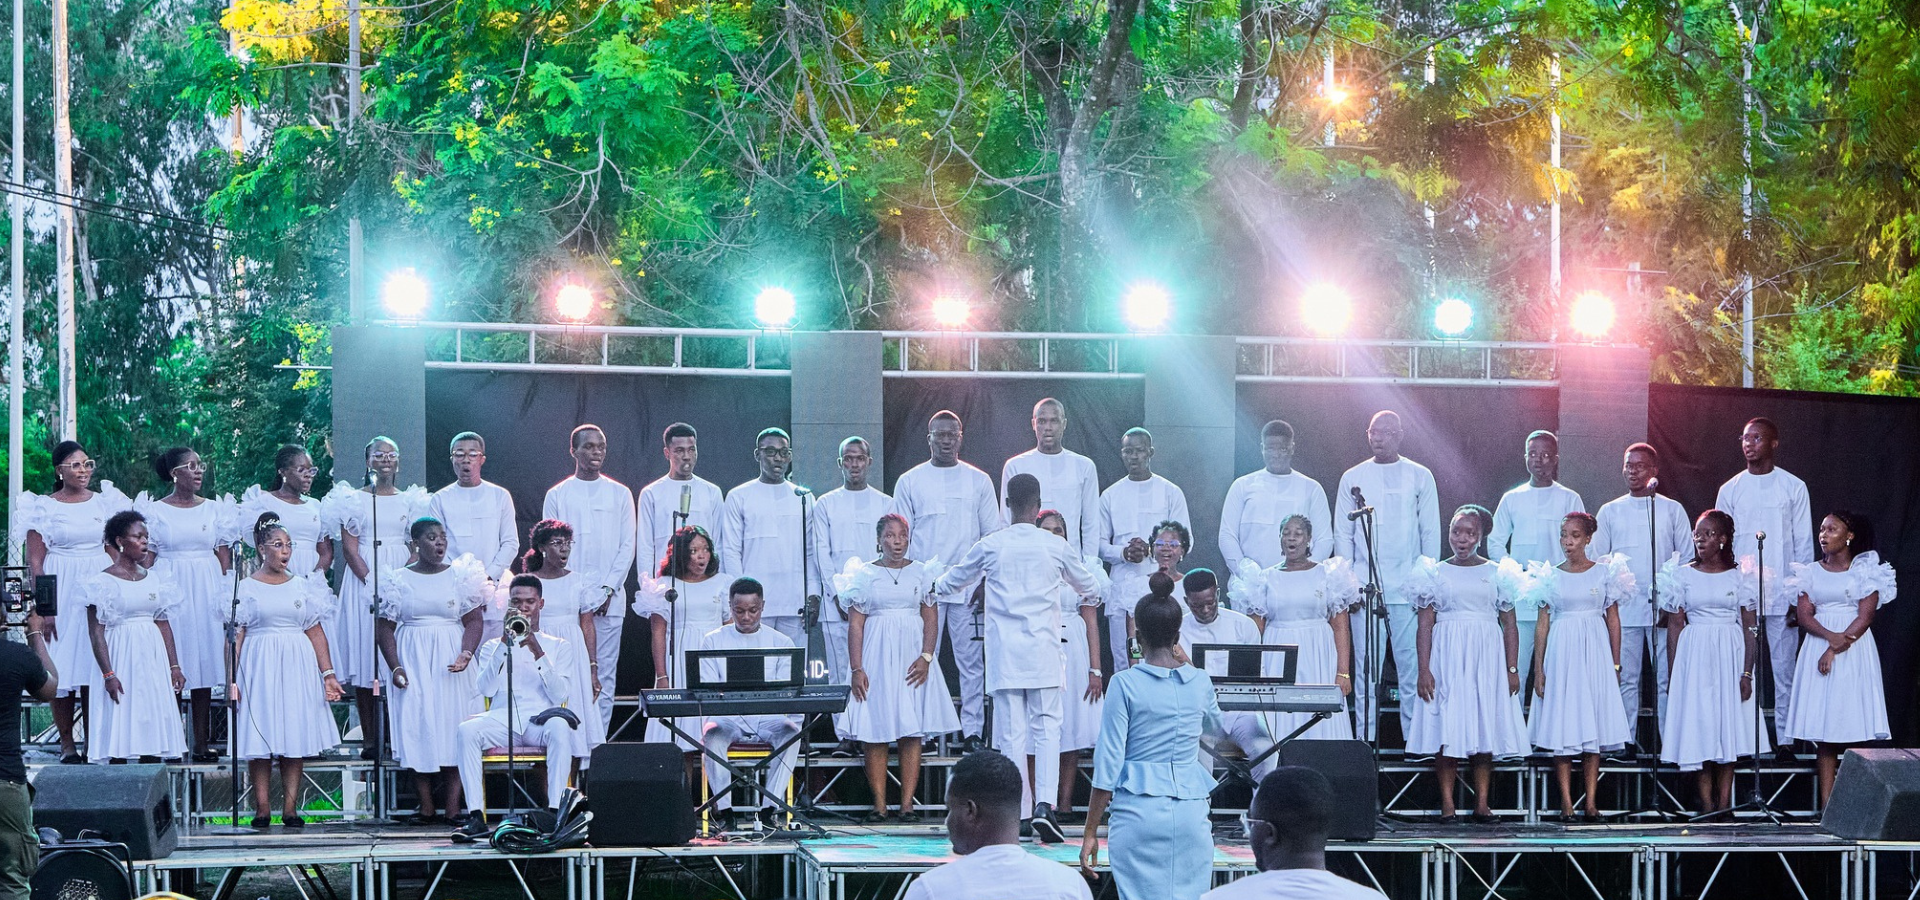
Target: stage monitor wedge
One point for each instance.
(1876, 796)
(1349, 767)
(640, 796)
(130, 805)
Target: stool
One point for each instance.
(531, 756)
(743, 750)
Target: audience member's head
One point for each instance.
(1289, 821)
(983, 802)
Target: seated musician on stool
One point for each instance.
(746, 599)
(540, 683)
(1212, 623)
(983, 822)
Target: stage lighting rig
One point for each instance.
(1327, 309)
(1147, 306)
(774, 307)
(405, 294)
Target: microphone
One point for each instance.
(1760, 535)
(686, 500)
(1358, 498)
(1360, 504)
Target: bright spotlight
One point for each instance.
(951, 312)
(1592, 314)
(405, 294)
(574, 302)
(1453, 317)
(1336, 94)
(1327, 309)
(774, 307)
(1147, 306)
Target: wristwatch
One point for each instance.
(1513, 670)
(926, 658)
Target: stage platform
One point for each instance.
(1414, 862)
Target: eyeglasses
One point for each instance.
(277, 545)
(195, 466)
(384, 455)
(85, 465)
(559, 542)
(776, 452)
(467, 454)
(1168, 545)
(306, 471)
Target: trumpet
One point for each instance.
(518, 625)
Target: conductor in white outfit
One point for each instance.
(1129, 510)
(745, 601)
(761, 533)
(949, 505)
(1068, 481)
(539, 683)
(1526, 527)
(678, 491)
(1648, 537)
(1026, 662)
(1260, 502)
(1767, 498)
(1406, 526)
(983, 823)
(842, 524)
(1212, 623)
(600, 510)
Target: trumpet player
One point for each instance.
(531, 697)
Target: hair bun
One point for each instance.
(1160, 584)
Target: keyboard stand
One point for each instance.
(749, 772)
(1243, 768)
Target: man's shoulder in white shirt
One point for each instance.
(727, 637)
(1000, 872)
(843, 494)
(1293, 884)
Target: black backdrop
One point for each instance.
(997, 414)
(1853, 452)
(1471, 437)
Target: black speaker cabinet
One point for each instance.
(639, 796)
(126, 804)
(1348, 765)
(1876, 796)
(83, 870)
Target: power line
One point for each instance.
(31, 190)
(105, 210)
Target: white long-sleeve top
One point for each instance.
(538, 684)
(842, 524)
(1023, 566)
(1777, 504)
(480, 522)
(1256, 505)
(948, 508)
(727, 637)
(1406, 505)
(760, 537)
(659, 501)
(1068, 483)
(601, 513)
(1130, 509)
(1526, 527)
(1623, 530)
(1231, 626)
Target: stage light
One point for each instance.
(774, 307)
(951, 312)
(1453, 317)
(1592, 315)
(405, 294)
(1336, 94)
(1147, 306)
(574, 302)
(1327, 309)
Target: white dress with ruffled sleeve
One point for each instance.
(357, 512)
(283, 709)
(890, 641)
(1706, 719)
(145, 721)
(1847, 705)
(1472, 711)
(1298, 607)
(75, 537)
(183, 542)
(426, 611)
(1581, 712)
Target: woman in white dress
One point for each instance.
(1838, 697)
(285, 679)
(1576, 660)
(134, 708)
(899, 694)
(356, 514)
(1167, 547)
(1710, 653)
(691, 570)
(61, 534)
(1086, 682)
(1467, 706)
(428, 631)
(301, 515)
(568, 615)
(1306, 604)
(187, 545)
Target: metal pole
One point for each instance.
(1747, 37)
(356, 298)
(1327, 89)
(64, 219)
(17, 316)
(1553, 250)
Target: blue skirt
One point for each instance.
(1160, 848)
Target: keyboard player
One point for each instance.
(1211, 623)
(746, 599)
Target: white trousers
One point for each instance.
(723, 732)
(1783, 649)
(970, 658)
(606, 651)
(489, 729)
(1248, 731)
(839, 663)
(1637, 642)
(1117, 643)
(1028, 722)
(1402, 630)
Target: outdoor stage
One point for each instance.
(1415, 862)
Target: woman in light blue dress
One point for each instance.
(1147, 768)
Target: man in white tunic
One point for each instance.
(842, 523)
(1129, 510)
(761, 535)
(1023, 566)
(745, 602)
(678, 492)
(1526, 527)
(1258, 502)
(1406, 526)
(1068, 481)
(1650, 529)
(949, 505)
(600, 510)
(983, 824)
(478, 514)
(1767, 498)
(1287, 832)
(1212, 623)
(539, 683)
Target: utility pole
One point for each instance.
(64, 220)
(356, 299)
(1748, 35)
(17, 314)
(1329, 92)
(1553, 226)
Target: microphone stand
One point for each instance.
(1660, 806)
(375, 730)
(809, 617)
(1762, 665)
(1373, 597)
(233, 678)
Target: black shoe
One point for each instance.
(1484, 818)
(847, 749)
(293, 821)
(720, 821)
(1785, 754)
(1045, 826)
(1026, 829)
(874, 817)
(205, 756)
(1451, 819)
(367, 752)
(768, 818)
(1590, 818)
(972, 743)
(472, 830)
(261, 823)
(912, 817)
(1626, 753)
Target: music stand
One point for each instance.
(1248, 664)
